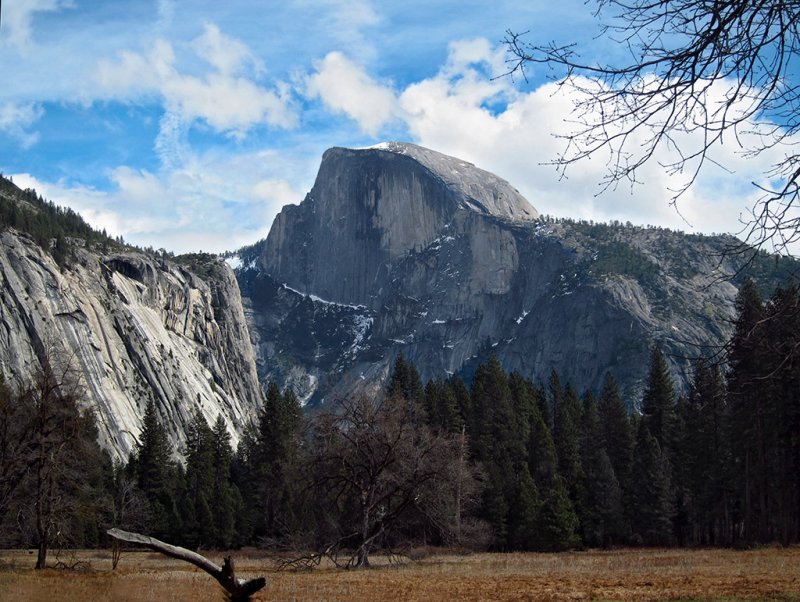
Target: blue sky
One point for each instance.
(189, 124)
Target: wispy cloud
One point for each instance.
(16, 120)
(18, 17)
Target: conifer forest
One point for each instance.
(501, 463)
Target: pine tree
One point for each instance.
(782, 421)
(280, 421)
(441, 407)
(523, 516)
(600, 496)
(702, 454)
(227, 499)
(405, 381)
(651, 498)
(156, 474)
(658, 404)
(749, 413)
(558, 523)
(617, 435)
(500, 444)
(566, 424)
(198, 519)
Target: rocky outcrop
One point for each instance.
(135, 327)
(370, 208)
(415, 251)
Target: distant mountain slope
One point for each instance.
(134, 325)
(392, 251)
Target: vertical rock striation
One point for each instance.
(135, 327)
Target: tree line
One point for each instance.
(502, 464)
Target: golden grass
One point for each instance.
(770, 573)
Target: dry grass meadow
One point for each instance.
(764, 574)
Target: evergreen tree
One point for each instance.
(658, 404)
(463, 401)
(500, 444)
(617, 436)
(750, 408)
(600, 496)
(441, 407)
(783, 332)
(157, 475)
(566, 424)
(198, 494)
(405, 381)
(245, 476)
(226, 496)
(280, 421)
(651, 498)
(702, 455)
(558, 523)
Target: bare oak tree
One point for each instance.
(699, 73)
(375, 466)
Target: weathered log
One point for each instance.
(239, 589)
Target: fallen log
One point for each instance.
(239, 589)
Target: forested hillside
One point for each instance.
(504, 464)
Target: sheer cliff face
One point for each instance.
(369, 209)
(400, 248)
(134, 327)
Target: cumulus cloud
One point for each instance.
(345, 87)
(224, 98)
(462, 111)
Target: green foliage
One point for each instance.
(157, 475)
(651, 498)
(658, 404)
(617, 257)
(48, 224)
(405, 382)
(600, 495)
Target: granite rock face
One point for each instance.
(398, 248)
(369, 209)
(135, 327)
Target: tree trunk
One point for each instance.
(41, 558)
(238, 589)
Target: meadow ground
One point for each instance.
(631, 574)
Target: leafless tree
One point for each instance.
(57, 432)
(375, 465)
(48, 455)
(699, 73)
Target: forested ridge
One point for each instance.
(504, 464)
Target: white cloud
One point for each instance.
(344, 87)
(346, 22)
(462, 112)
(227, 55)
(16, 118)
(18, 18)
(223, 98)
(211, 202)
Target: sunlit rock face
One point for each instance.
(399, 248)
(132, 327)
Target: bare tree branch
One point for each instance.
(702, 73)
(239, 589)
